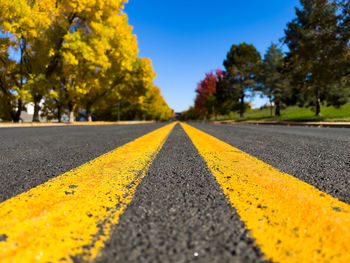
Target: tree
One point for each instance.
(226, 98)
(344, 25)
(274, 82)
(241, 66)
(205, 90)
(155, 107)
(7, 67)
(72, 54)
(100, 52)
(189, 114)
(23, 23)
(316, 52)
(345, 37)
(135, 96)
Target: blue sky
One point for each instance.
(186, 39)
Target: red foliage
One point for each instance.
(206, 87)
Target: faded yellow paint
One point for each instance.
(291, 220)
(72, 215)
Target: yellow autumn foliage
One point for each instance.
(75, 54)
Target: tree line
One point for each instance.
(314, 71)
(65, 55)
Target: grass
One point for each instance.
(295, 113)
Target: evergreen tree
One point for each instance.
(241, 66)
(226, 97)
(345, 37)
(316, 52)
(274, 83)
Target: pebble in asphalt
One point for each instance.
(180, 214)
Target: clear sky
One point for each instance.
(186, 39)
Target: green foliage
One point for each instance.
(226, 97)
(295, 113)
(314, 72)
(316, 53)
(242, 66)
(190, 114)
(274, 82)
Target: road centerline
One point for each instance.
(179, 214)
(70, 216)
(291, 220)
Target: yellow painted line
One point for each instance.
(71, 216)
(291, 220)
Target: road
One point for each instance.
(178, 204)
(318, 156)
(32, 156)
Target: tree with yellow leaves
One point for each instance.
(7, 97)
(23, 22)
(102, 54)
(71, 54)
(155, 107)
(135, 97)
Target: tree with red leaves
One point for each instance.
(206, 89)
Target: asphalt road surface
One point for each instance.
(318, 156)
(179, 212)
(32, 156)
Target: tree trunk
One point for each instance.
(59, 113)
(241, 109)
(88, 114)
(71, 116)
(20, 102)
(318, 103)
(37, 99)
(11, 111)
(271, 108)
(17, 116)
(278, 108)
(118, 110)
(36, 113)
(214, 113)
(71, 109)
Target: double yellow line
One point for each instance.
(291, 220)
(69, 218)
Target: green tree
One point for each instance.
(316, 52)
(345, 37)
(190, 114)
(274, 82)
(241, 66)
(226, 97)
